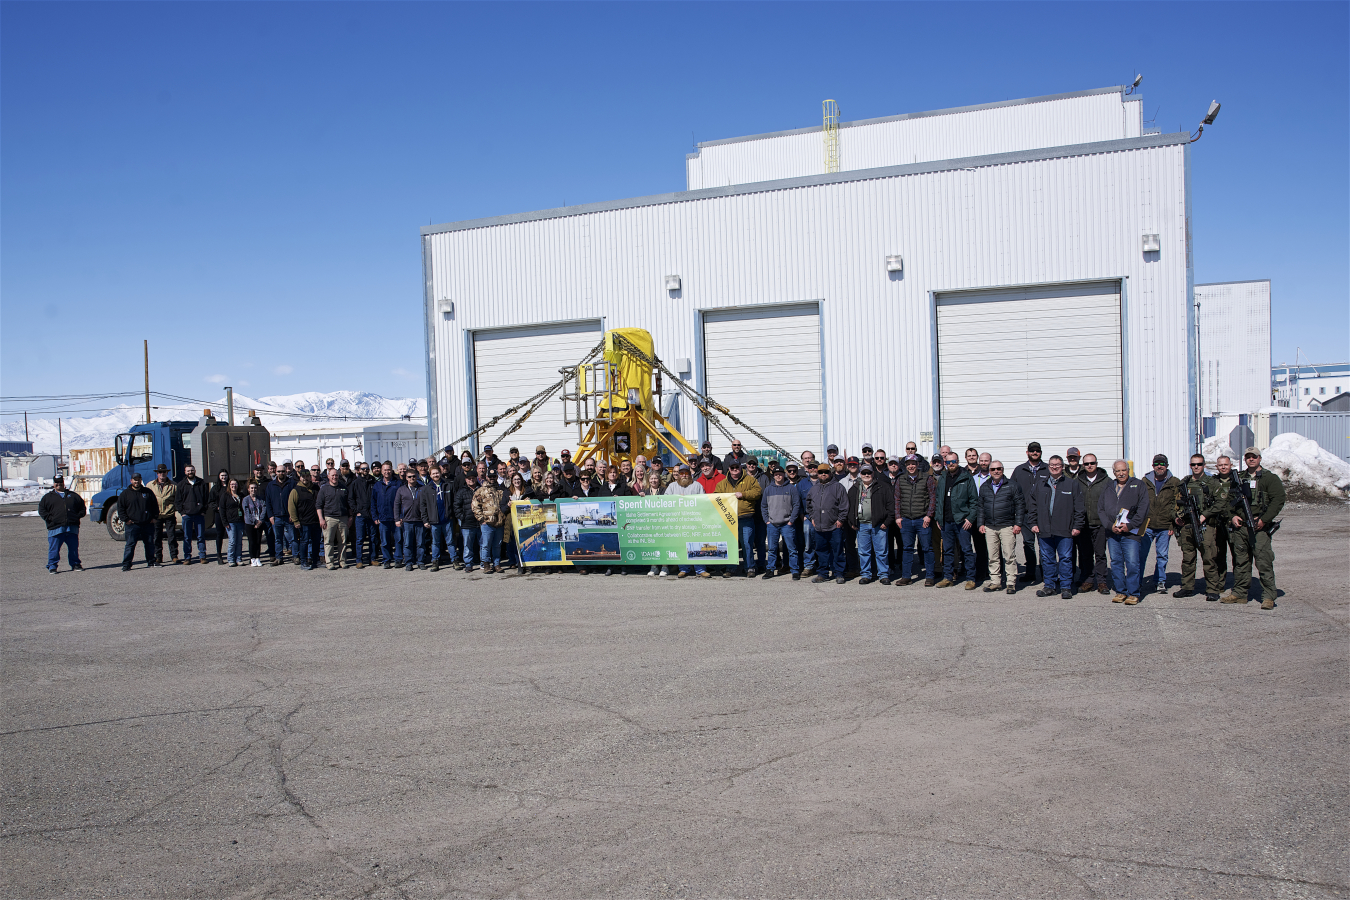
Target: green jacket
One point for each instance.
(1092, 492)
(1208, 496)
(963, 498)
(1267, 500)
(1163, 503)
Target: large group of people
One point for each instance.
(886, 519)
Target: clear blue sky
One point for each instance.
(243, 183)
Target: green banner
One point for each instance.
(665, 530)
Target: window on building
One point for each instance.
(1307, 391)
(1321, 390)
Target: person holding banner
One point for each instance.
(747, 491)
(684, 485)
(651, 487)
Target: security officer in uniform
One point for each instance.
(1225, 481)
(1204, 497)
(1264, 493)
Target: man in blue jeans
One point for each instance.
(747, 491)
(382, 494)
(780, 508)
(956, 518)
(871, 504)
(915, 498)
(803, 479)
(278, 497)
(1123, 508)
(1164, 491)
(827, 508)
(62, 511)
(1055, 509)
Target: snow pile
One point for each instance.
(1300, 460)
(10, 484)
(23, 494)
(359, 407)
(1213, 448)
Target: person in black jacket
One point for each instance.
(1000, 509)
(194, 498)
(871, 506)
(62, 511)
(1029, 474)
(213, 517)
(436, 500)
(463, 513)
(138, 509)
(358, 506)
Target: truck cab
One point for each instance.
(141, 450)
(206, 444)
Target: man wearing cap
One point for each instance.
(801, 478)
(781, 508)
(61, 510)
(684, 485)
(138, 510)
(166, 517)
(746, 489)
(827, 508)
(708, 456)
(1091, 542)
(831, 454)
(1163, 488)
(1028, 475)
(956, 518)
(1123, 509)
(1056, 512)
(1264, 495)
(761, 531)
(847, 479)
(915, 498)
(1199, 494)
(871, 505)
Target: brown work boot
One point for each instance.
(970, 585)
(1131, 601)
(928, 582)
(1268, 603)
(1231, 597)
(944, 583)
(1118, 598)
(360, 565)
(1087, 586)
(1103, 590)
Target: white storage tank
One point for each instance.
(396, 441)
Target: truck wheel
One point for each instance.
(113, 520)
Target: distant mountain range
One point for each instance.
(296, 411)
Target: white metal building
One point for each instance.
(1307, 385)
(1042, 293)
(1059, 120)
(1234, 354)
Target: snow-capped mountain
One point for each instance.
(359, 407)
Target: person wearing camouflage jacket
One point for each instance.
(1200, 493)
(1263, 492)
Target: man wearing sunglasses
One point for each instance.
(999, 511)
(1264, 493)
(1201, 494)
(1091, 541)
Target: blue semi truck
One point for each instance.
(207, 444)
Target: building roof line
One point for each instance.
(1024, 101)
(760, 187)
(1239, 281)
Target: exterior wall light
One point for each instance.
(446, 306)
(1151, 243)
(895, 264)
(672, 282)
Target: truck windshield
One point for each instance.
(142, 448)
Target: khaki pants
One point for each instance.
(1002, 544)
(335, 540)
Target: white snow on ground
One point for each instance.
(23, 495)
(358, 407)
(1296, 459)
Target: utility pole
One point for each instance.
(25, 426)
(60, 442)
(229, 405)
(147, 382)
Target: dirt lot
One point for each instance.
(214, 732)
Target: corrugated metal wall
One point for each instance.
(1045, 221)
(1330, 430)
(1004, 129)
(1234, 347)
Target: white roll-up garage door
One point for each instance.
(513, 364)
(764, 365)
(1041, 364)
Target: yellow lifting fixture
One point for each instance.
(613, 402)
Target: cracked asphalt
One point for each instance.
(202, 732)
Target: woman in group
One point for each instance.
(520, 489)
(213, 518)
(230, 512)
(553, 488)
(650, 486)
(255, 520)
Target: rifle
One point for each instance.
(1189, 502)
(1247, 510)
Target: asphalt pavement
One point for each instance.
(213, 732)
